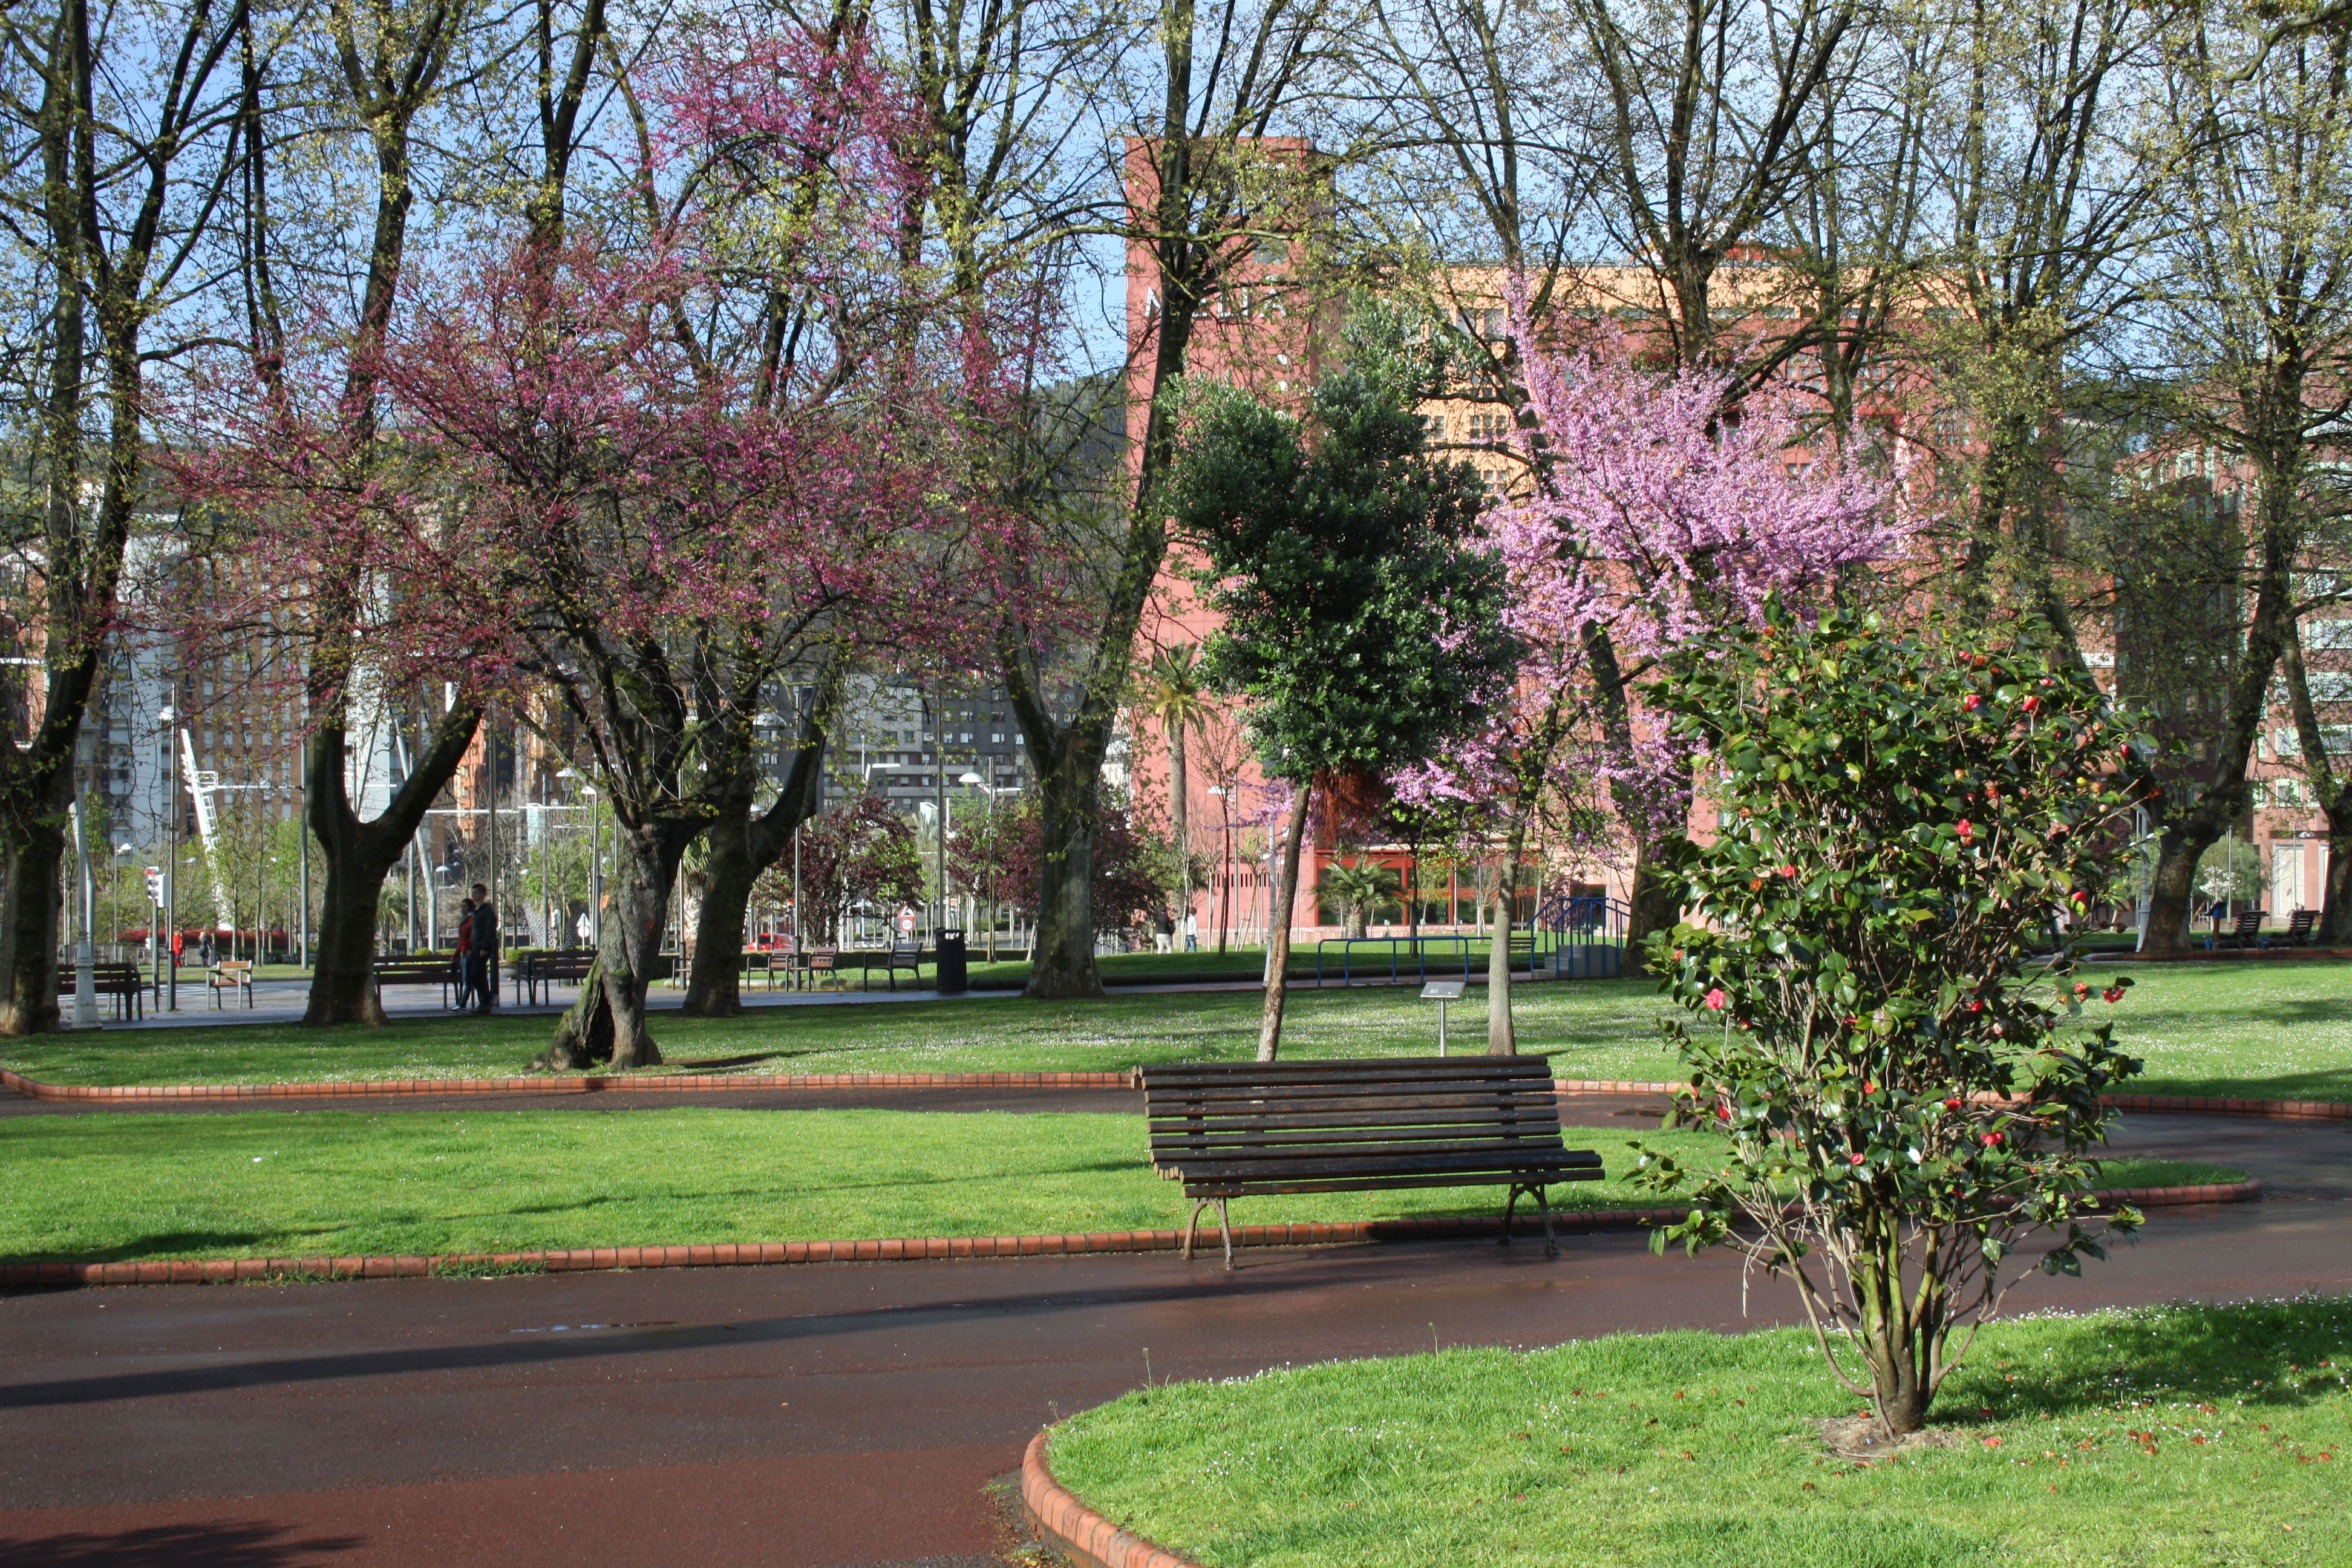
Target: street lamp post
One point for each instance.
(85, 953)
(166, 718)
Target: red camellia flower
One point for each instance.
(1975, 1006)
(1716, 999)
(1973, 702)
(1966, 830)
(1854, 1159)
(2031, 704)
(1953, 1103)
(1788, 871)
(1990, 1139)
(2082, 988)
(2112, 993)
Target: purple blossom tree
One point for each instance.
(1653, 514)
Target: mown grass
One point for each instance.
(2260, 1030)
(301, 1184)
(2176, 1437)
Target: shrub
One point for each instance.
(1907, 1075)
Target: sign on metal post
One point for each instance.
(1442, 992)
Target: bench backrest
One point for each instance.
(2250, 921)
(2301, 921)
(824, 958)
(230, 968)
(1203, 1116)
(907, 949)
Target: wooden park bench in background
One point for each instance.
(907, 955)
(230, 975)
(2301, 926)
(557, 965)
(1231, 1130)
(417, 969)
(126, 982)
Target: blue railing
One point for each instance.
(1572, 938)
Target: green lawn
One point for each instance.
(2179, 1437)
(2265, 1030)
(279, 1183)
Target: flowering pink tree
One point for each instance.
(1653, 515)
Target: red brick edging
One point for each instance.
(1087, 1536)
(723, 1255)
(2195, 1104)
(565, 1083)
(595, 1083)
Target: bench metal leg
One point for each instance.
(1543, 1203)
(1224, 1224)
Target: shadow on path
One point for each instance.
(235, 1546)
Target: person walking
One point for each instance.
(461, 964)
(485, 950)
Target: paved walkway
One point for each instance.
(837, 1415)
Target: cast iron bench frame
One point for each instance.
(1231, 1130)
(126, 982)
(409, 969)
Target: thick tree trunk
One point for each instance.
(342, 988)
(644, 873)
(1062, 961)
(742, 846)
(31, 909)
(2172, 888)
(1653, 905)
(2336, 916)
(1277, 927)
(358, 854)
(714, 981)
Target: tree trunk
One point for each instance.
(742, 847)
(714, 980)
(2336, 916)
(1278, 926)
(345, 952)
(1178, 823)
(583, 1036)
(31, 910)
(1653, 905)
(358, 854)
(1062, 958)
(645, 872)
(1501, 1039)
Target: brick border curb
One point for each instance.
(726, 1255)
(595, 1083)
(567, 1083)
(1087, 1536)
(2188, 1104)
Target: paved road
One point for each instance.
(830, 1415)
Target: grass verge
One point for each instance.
(2262, 1031)
(2175, 1437)
(278, 1183)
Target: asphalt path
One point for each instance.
(835, 1415)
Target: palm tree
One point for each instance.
(1361, 890)
(1171, 692)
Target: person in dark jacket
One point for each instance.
(485, 953)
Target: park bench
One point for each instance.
(568, 964)
(416, 969)
(126, 982)
(1231, 1130)
(230, 975)
(904, 955)
(2301, 926)
(2245, 931)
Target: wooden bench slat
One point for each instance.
(1245, 1127)
(1431, 1069)
(1365, 1108)
(1378, 1183)
(1277, 1163)
(1186, 1151)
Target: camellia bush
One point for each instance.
(1883, 1021)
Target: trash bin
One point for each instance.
(954, 976)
